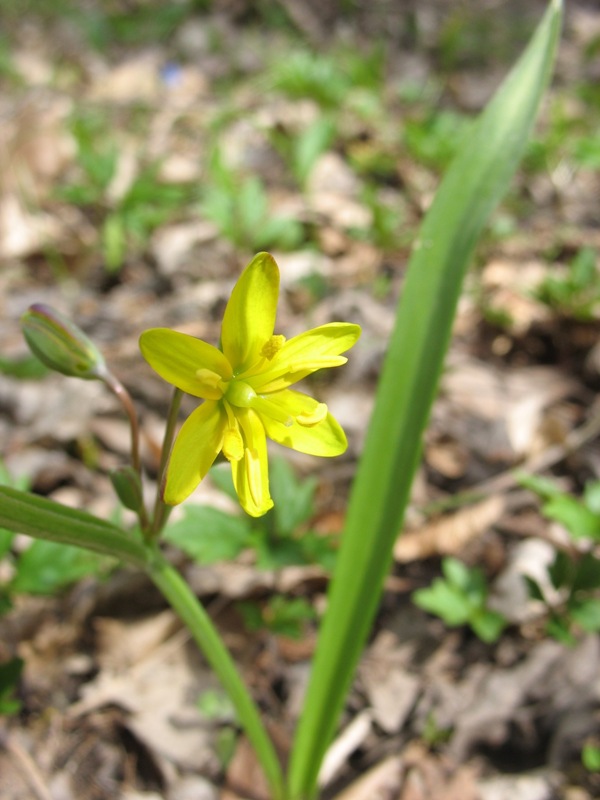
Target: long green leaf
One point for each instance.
(471, 189)
(23, 512)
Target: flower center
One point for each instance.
(242, 395)
(210, 384)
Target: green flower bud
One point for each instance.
(60, 344)
(128, 486)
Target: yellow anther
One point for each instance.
(317, 415)
(272, 346)
(211, 382)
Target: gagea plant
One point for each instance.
(244, 388)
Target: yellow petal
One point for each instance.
(319, 348)
(250, 314)
(192, 365)
(312, 431)
(251, 473)
(196, 447)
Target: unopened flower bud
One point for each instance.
(128, 486)
(60, 345)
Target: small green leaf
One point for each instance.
(209, 535)
(445, 601)
(293, 498)
(48, 567)
(284, 616)
(26, 368)
(214, 704)
(457, 573)
(580, 522)
(587, 613)
(561, 570)
(590, 757)
(591, 496)
(534, 589)
(114, 242)
(560, 629)
(543, 487)
(488, 625)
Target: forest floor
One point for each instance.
(148, 150)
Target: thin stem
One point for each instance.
(198, 622)
(161, 510)
(117, 388)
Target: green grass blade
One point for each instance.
(23, 512)
(474, 184)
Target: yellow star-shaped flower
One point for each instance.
(245, 388)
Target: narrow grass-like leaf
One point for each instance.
(474, 184)
(23, 512)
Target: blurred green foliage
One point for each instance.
(459, 598)
(574, 573)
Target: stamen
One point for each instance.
(211, 383)
(272, 346)
(317, 415)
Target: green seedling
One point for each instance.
(586, 152)
(305, 74)
(569, 135)
(432, 734)
(283, 616)
(302, 151)
(387, 228)
(343, 79)
(142, 24)
(590, 756)
(576, 293)
(574, 573)
(126, 221)
(239, 207)
(434, 138)
(461, 598)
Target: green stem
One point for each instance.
(161, 510)
(188, 607)
(121, 393)
(117, 388)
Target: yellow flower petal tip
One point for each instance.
(245, 388)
